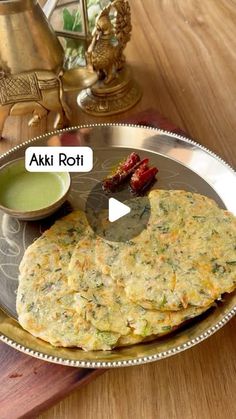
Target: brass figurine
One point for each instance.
(115, 90)
(32, 92)
(105, 56)
(31, 64)
(31, 60)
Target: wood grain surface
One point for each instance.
(183, 53)
(29, 385)
(197, 384)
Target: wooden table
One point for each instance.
(183, 53)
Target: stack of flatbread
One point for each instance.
(77, 289)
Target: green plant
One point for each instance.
(72, 21)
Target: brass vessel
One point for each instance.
(27, 40)
(31, 64)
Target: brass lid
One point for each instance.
(28, 42)
(15, 6)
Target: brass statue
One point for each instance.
(105, 55)
(115, 90)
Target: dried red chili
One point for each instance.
(124, 171)
(141, 175)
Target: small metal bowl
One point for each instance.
(17, 166)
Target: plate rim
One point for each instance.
(117, 124)
(139, 360)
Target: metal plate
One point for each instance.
(183, 164)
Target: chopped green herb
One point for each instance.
(181, 223)
(163, 208)
(95, 299)
(172, 264)
(231, 262)
(163, 229)
(30, 307)
(71, 230)
(110, 245)
(142, 310)
(218, 268)
(66, 315)
(47, 286)
(203, 292)
(186, 318)
(85, 298)
(144, 211)
(118, 300)
(146, 328)
(166, 328)
(107, 337)
(164, 301)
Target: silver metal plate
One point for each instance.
(182, 163)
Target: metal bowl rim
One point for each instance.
(38, 212)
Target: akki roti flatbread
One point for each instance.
(185, 257)
(77, 289)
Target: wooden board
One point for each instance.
(28, 385)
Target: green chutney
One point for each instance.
(27, 191)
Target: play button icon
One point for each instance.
(118, 216)
(116, 210)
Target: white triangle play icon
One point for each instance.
(116, 210)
